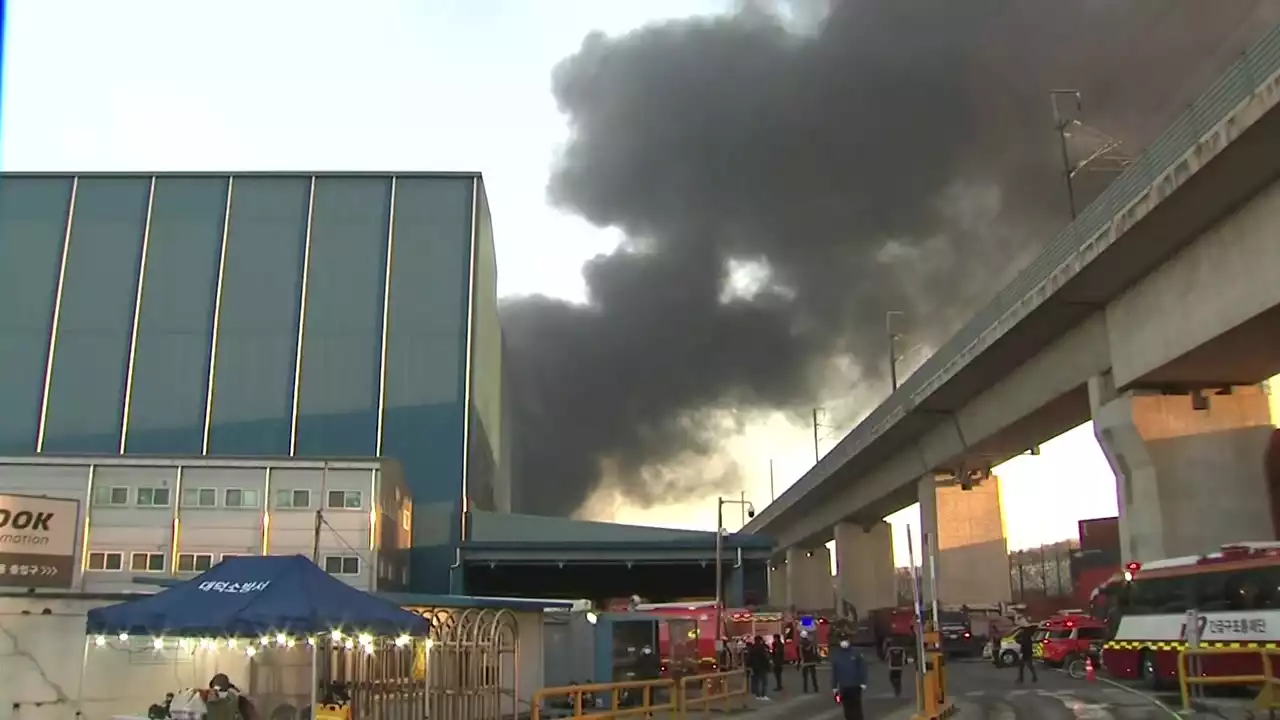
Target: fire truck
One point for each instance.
(883, 627)
(1234, 591)
(739, 624)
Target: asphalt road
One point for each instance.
(981, 692)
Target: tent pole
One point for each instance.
(84, 662)
(315, 677)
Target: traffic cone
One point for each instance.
(1088, 669)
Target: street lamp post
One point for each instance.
(720, 530)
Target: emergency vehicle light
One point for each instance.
(1133, 567)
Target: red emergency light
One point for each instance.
(1133, 567)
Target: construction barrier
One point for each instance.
(1268, 698)
(726, 690)
(607, 701)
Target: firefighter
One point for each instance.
(897, 661)
(808, 652)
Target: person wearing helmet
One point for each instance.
(808, 652)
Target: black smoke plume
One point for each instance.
(901, 156)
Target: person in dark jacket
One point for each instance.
(778, 655)
(897, 660)
(848, 679)
(1026, 649)
(758, 665)
(809, 657)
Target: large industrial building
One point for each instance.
(261, 315)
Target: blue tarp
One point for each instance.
(254, 596)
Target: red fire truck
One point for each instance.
(1235, 591)
(739, 624)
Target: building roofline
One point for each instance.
(244, 173)
(333, 463)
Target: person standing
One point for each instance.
(848, 679)
(778, 656)
(897, 659)
(758, 666)
(1026, 651)
(808, 653)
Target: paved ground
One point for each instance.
(982, 692)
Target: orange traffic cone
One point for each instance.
(1088, 669)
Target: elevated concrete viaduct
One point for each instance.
(1156, 314)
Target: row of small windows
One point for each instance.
(155, 562)
(236, 498)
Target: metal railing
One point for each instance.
(1254, 73)
(607, 701)
(723, 689)
(1268, 698)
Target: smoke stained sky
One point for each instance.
(900, 156)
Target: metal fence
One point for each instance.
(1034, 574)
(1043, 572)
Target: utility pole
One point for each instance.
(893, 346)
(315, 535)
(772, 495)
(750, 511)
(1061, 123)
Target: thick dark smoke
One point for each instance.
(901, 157)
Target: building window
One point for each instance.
(146, 562)
(107, 561)
(238, 498)
(293, 499)
(200, 497)
(153, 497)
(224, 556)
(342, 565)
(194, 562)
(344, 500)
(111, 496)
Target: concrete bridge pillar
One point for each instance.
(802, 579)
(864, 567)
(1190, 473)
(973, 556)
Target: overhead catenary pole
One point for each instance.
(893, 346)
(817, 455)
(1061, 123)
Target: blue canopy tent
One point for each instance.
(258, 597)
(253, 596)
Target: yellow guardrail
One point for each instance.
(1268, 698)
(579, 701)
(726, 689)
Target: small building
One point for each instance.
(152, 518)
